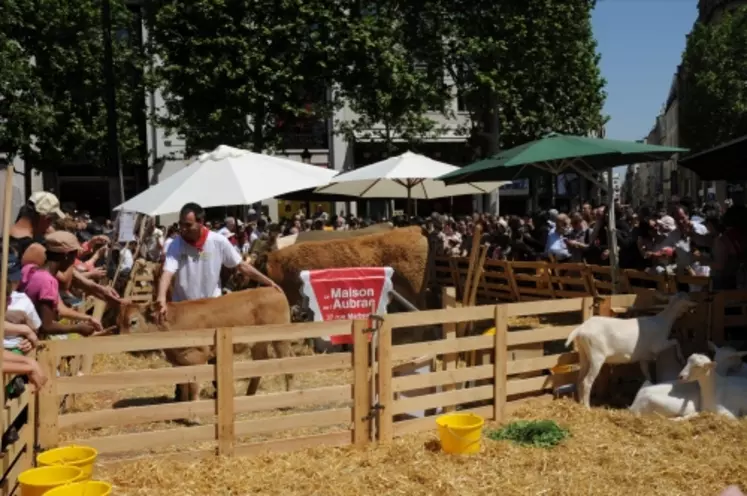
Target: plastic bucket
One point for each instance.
(38, 481)
(460, 433)
(82, 457)
(87, 488)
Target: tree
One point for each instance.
(390, 89)
(239, 73)
(65, 40)
(524, 67)
(713, 85)
(22, 114)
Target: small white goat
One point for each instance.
(602, 340)
(725, 395)
(681, 399)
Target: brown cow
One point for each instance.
(260, 306)
(405, 250)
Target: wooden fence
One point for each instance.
(351, 419)
(528, 281)
(19, 414)
(377, 399)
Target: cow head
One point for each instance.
(138, 318)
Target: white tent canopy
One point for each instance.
(227, 176)
(409, 175)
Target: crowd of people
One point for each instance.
(57, 258)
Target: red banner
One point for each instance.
(347, 294)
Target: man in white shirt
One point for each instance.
(195, 258)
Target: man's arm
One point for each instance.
(252, 273)
(164, 283)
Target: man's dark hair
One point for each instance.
(193, 208)
(28, 211)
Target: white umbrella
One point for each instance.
(228, 176)
(409, 175)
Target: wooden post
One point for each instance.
(7, 206)
(718, 334)
(224, 381)
(386, 396)
(473, 254)
(500, 363)
(361, 385)
(449, 332)
(48, 407)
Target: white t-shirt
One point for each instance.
(19, 301)
(166, 245)
(125, 259)
(198, 272)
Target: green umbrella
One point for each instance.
(557, 153)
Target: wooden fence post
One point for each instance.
(48, 406)
(386, 395)
(224, 382)
(500, 363)
(361, 385)
(718, 307)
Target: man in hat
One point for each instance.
(33, 222)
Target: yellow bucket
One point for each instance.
(87, 488)
(82, 457)
(38, 481)
(460, 433)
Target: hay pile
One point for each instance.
(608, 453)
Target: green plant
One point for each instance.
(537, 433)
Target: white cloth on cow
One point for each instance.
(197, 272)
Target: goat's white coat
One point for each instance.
(602, 340)
(673, 398)
(724, 395)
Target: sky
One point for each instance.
(641, 44)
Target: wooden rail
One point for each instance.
(528, 281)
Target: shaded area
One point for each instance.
(725, 162)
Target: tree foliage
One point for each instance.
(392, 91)
(60, 108)
(240, 72)
(713, 90)
(525, 67)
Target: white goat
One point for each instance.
(681, 399)
(725, 395)
(602, 340)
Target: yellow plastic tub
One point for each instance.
(82, 457)
(87, 488)
(460, 433)
(38, 481)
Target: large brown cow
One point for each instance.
(260, 306)
(405, 250)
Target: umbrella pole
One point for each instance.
(612, 231)
(409, 202)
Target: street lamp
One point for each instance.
(306, 156)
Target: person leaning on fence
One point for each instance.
(41, 286)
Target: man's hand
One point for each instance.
(162, 310)
(110, 295)
(273, 285)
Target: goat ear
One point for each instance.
(741, 354)
(712, 346)
(710, 366)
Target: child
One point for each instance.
(41, 286)
(20, 333)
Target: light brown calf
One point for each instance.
(260, 306)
